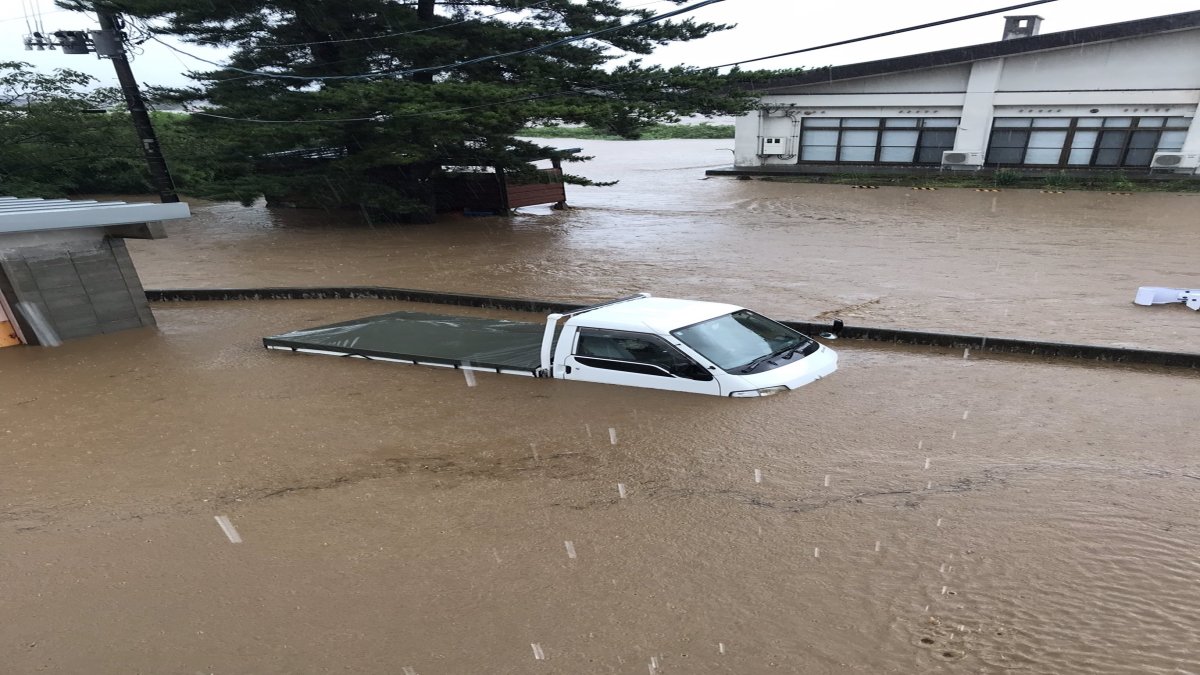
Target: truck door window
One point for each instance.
(635, 353)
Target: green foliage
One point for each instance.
(1116, 180)
(1059, 181)
(1006, 177)
(410, 124)
(656, 132)
(50, 142)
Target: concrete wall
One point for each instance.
(1170, 61)
(80, 285)
(945, 79)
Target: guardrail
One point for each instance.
(978, 343)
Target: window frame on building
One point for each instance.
(857, 127)
(1131, 131)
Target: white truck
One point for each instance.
(639, 341)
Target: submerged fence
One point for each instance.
(977, 343)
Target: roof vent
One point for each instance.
(1016, 27)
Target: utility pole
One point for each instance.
(109, 43)
(159, 172)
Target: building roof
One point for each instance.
(948, 57)
(40, 215)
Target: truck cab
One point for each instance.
(682, 345)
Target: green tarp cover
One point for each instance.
(438, 338)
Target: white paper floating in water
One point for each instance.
(826, 480)
(1159, 295)
(228, 529)
(537, 651)
(816, 553)
(621, 490)
(612, 435)
(943, 590)
(570, 549)
(758, 475)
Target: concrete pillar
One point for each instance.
(978, 104)
(1191, 144)
(745, 144)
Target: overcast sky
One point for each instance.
(763, 27)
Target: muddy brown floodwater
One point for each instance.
(917, 512)
(1017, 263)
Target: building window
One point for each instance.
(1084, 141)
(874, 140)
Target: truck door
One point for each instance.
(636, 360)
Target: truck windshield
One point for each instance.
(741, 341)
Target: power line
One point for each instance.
(26, 16)
(450, 66)
(644, 79)
(886, 33)
(381, 116)
(411, 32)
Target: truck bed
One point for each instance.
(426, 339)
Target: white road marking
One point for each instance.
(230, 531)
(538, 654)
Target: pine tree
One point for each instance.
(410, 86)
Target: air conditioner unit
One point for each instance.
(773, 145)
(962, 158)
(1175, 160)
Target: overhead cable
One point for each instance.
(643, 79)
(458, 64)
(886, 33)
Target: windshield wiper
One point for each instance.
(790, 351)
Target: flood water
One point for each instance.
(1017, 263)
(916, 512)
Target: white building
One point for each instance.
(1121, 96)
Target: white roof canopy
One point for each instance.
(40, 215)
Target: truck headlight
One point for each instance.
(752, 393)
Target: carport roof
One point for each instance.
(40, 215)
